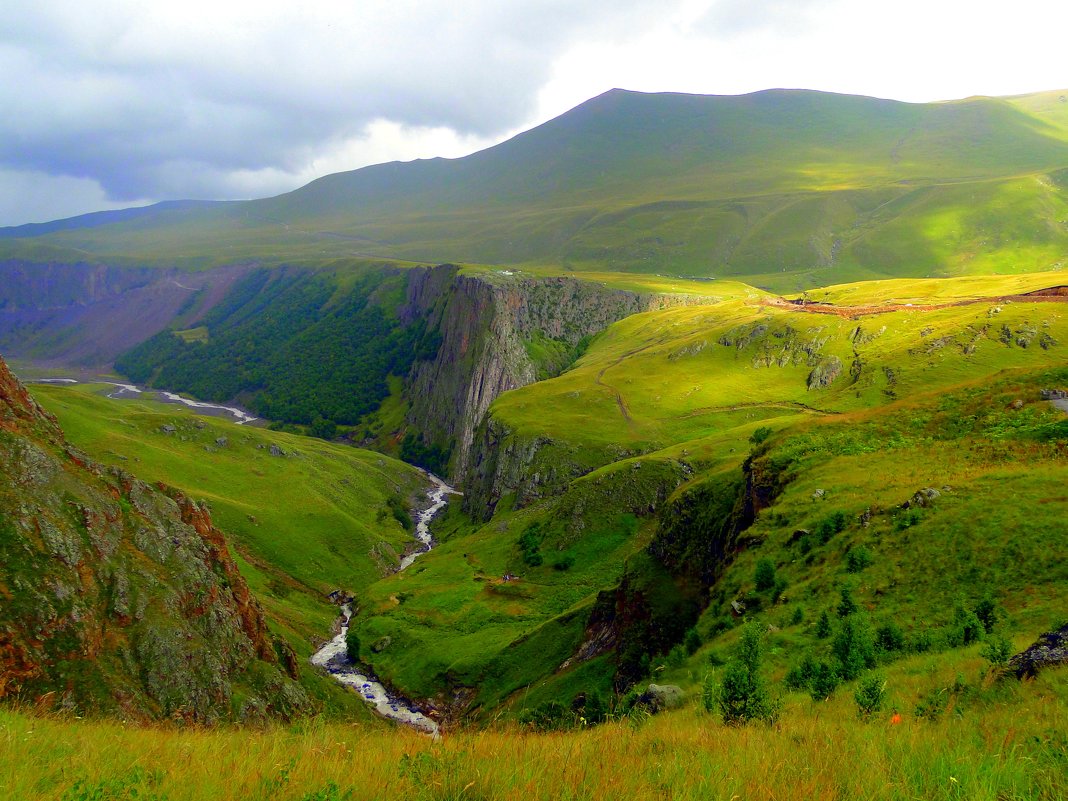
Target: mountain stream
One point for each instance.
(335, 659)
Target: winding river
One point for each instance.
(334, 657)
(240, 416)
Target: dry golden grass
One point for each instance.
(1005, 742)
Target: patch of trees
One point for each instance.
(292, 346)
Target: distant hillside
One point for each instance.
(788, 188)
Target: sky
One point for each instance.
(113, 103)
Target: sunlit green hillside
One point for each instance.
(787, 189)
(314, 518)
(577, 471)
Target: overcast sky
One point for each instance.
(110, 103)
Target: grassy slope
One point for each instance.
(785, 189)
(304, 524)
(690, 400)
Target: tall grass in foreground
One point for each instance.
(1013, 745)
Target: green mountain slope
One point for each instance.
(788, 188)
(120, 597)
(610, 504)
(305, 517)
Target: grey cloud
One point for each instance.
(147, 103)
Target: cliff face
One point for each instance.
(492, 332)
(88, 314)
(117, 596)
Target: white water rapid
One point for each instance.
(334, 656)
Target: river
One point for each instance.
(334, 657)
(240, 416)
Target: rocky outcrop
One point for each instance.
(1051, 650)
(658, 697)
(486, 324)
(120, 597)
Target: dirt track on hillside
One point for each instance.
(1057, 294)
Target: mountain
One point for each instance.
(122, 597)
(787, 188)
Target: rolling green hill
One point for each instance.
(608, 503)
(787, 189)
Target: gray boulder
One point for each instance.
(1051, 650)
(658, 697)
(922, 498)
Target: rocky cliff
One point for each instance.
(120, 597)
(87, 314)
(500, 332)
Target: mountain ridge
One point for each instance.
(784, 188)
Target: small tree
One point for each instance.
(870, 694)
(743, 695)
(824, 681)
(847, 606)
(997, 650)
(823, 625)
(764, 576)
(854, 646)
(965, 629)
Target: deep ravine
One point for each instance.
(334, 657)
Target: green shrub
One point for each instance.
(846, 605)
(799, 677)
(987, 612)
(921, 642)
(997, 650)
(676, 657)
(823, 625)
(742, 694)
(764, 575)
(692, 641)
(778, 589)
(965, 629)
(889, 638)
(565, 562)
(854, 646)
(825, 680)
(549, 716)
(870, 694)
(759, 435)
(906, 519)
(858, 559)
(530, 544)
(834, 523)
(595, 708)
(399, 509)
(798, 617)
(352, 644)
